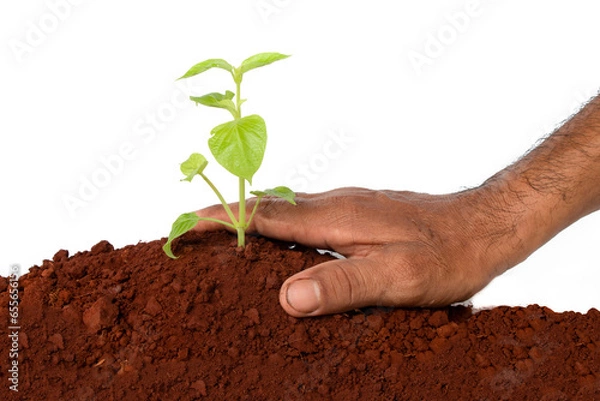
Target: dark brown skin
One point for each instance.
(413, 249)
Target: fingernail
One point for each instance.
(304, 295)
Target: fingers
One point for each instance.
(309, 222)
(317, 220)
(347, 284)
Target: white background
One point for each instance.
(81, 80)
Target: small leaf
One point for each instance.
(239, 145)
(182, 225)
(259, 60)
(207, 65)
(212, 99)
(195, 164)
(222, 101)
(279, 192)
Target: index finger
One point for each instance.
(316, 220)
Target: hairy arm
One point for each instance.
(549, 188)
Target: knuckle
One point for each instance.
(270, 208)
(413, 279)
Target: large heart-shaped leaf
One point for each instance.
(259, 60)
(239, 145)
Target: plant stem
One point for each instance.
(254, 210)
(238, 96)
(241, 226)
(225, 205)
(218, 221)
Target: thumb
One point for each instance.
(335, 286)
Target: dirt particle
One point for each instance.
(375, 322)
(300, 341)
(438, 318)
(481, 360)
(60, 256)
(75, 270)
(372, 355)
(233, 352)
(49, 272)
(447, 330)
(152, 307)
(425, 357)
(439, 345)
(417, 323)
(581, 369)
(103, 313)
(276, 359)
(524, 365)
(323, 390)
(200, 386)
(183, 354)
(253, 315)
(71, 314)
(273, 281)
(102, 247)
(57, 340)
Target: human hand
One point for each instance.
(400, 248)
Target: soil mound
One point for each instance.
(132, 324)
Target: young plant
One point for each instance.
(237, 145)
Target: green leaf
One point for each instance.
(182, 225)
(195, 164)
(222, 101)
(259, 60)
(239, 145)
(207, 65)
(279, 192)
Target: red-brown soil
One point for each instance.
(132, 324)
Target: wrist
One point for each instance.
(505, 225)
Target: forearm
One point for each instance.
(551, 187)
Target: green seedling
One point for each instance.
(237, 145)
